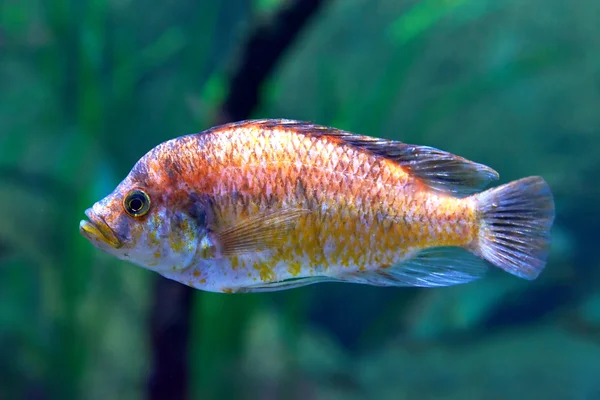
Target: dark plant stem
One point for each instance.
(170, 320)
(262, 52)
(169, 330)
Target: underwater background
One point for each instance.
(89, 86)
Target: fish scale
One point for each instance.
(274, 204)
(322, 173)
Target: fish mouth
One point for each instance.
(97, 228)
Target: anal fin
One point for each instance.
(435, 267)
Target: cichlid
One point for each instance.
(275, 204)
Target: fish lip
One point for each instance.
(97, 228)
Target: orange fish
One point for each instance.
(275, 204)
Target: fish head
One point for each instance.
(145, 224)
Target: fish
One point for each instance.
(274, 204)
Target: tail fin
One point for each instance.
(515, 226)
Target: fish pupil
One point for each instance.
(136, 204)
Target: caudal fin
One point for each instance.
(515, 226)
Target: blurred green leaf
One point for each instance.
(87, 87)
(420, 18)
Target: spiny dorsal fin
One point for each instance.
(438, 169)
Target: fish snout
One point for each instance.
(96, 229)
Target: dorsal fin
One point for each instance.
(445, 171)
(438, 169)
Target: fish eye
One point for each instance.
(136, 203)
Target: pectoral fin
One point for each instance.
(258, 232)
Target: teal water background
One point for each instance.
(88, 86)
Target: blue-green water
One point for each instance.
(87, 87)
